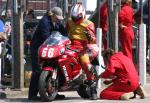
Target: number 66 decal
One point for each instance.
(50, 52)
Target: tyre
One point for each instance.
(84, 91)
(47, 89)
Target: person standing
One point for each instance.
(122, 74)
(103, 23)
(2, 34)
(5, 29)
(81, 33)
(126, 33)
(50, 22)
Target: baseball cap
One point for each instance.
(58, 12)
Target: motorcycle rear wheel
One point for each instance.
(46, 89)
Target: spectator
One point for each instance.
(2, 34)
(7, 14)
(5, 29)
(124, 77)
(50, 22)
(29, 15)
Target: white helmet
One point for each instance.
(77, 12)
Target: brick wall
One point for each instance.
(37, 4)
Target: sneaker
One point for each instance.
(127, 96)
(141, 92)
(59, 97)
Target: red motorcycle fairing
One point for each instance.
(61, 68)
(71, 67)
(48, 52)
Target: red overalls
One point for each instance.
(103, 23)
(126, 34)
(126, 77)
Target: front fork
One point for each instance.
(54, 74)
(53, 82)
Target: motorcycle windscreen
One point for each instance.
(53, 46)
(56, 38)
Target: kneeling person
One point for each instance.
(124, 77)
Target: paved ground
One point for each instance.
(72, 97)
(14, 96)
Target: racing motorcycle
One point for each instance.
(61, 69)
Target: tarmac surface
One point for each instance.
(71, 97)
(20, 96)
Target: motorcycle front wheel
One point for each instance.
(84, 91)
(47, 88)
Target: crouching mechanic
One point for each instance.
(124, 77)
(82, 35)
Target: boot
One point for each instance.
(93, 91)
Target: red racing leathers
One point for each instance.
(81, 34)
(126, 33)
(126, 77)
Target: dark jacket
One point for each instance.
(43, 31)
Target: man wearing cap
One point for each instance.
(51, 21)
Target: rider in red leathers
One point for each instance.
(81, 33)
